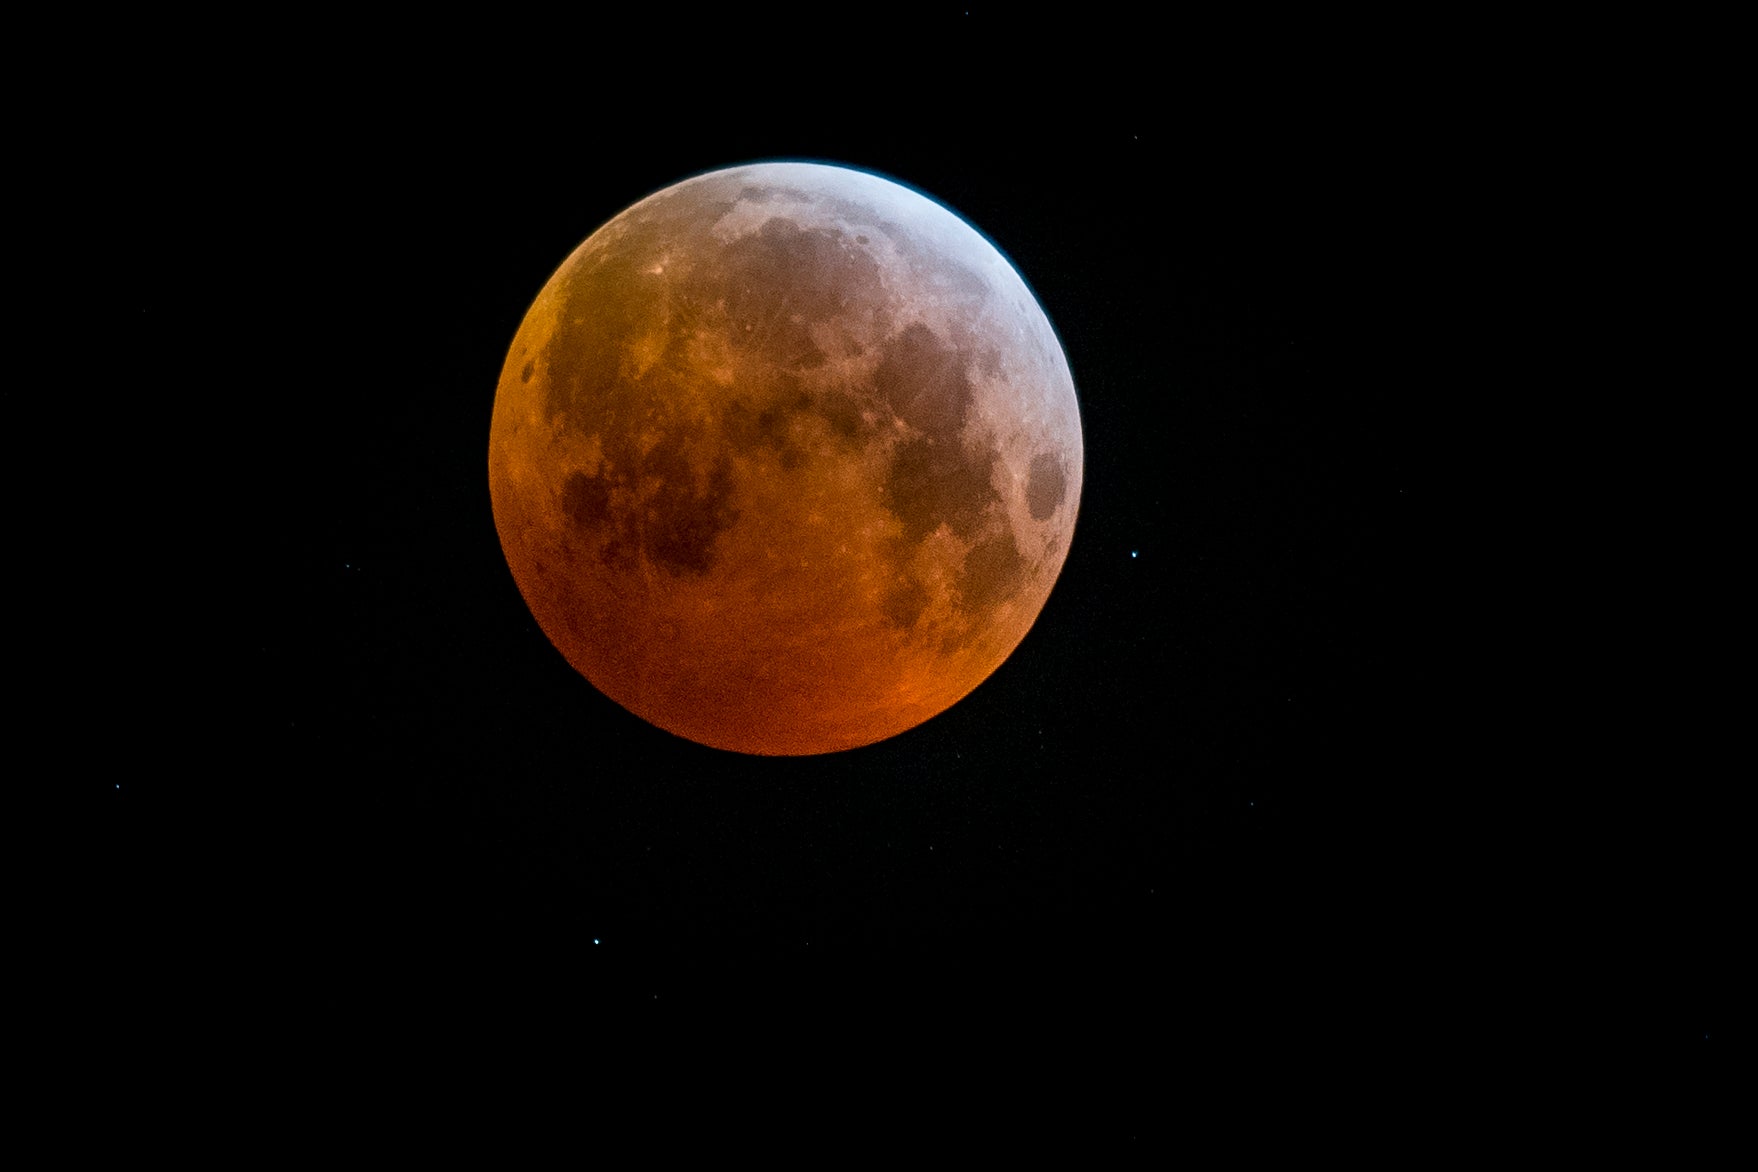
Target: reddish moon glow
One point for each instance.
(785, 459)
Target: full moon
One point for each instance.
(785, 458)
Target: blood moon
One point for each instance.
(785, 458)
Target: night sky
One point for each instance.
(1153, 802)
(1198, 801)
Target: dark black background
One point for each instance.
(1303, 779)
(1193, 804)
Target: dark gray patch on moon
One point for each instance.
(842, 413)
(782, 279)
(657, 504)
(924, 381)
(904, 605)
(586, 500)
(933, 478)
(587, 503)
(685, 512)
(774, 427)
(932, 483)
(992, 571)
(1045, 486)
(525, 374)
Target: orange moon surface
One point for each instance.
(785, 458)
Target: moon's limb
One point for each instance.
(785, 459)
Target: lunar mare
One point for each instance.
(785, 459)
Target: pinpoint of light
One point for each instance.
(1132, 553)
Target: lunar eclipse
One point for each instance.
(785, 459)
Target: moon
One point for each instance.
(785, 459)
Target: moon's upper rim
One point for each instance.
(823, 165)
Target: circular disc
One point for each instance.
(785, 458)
